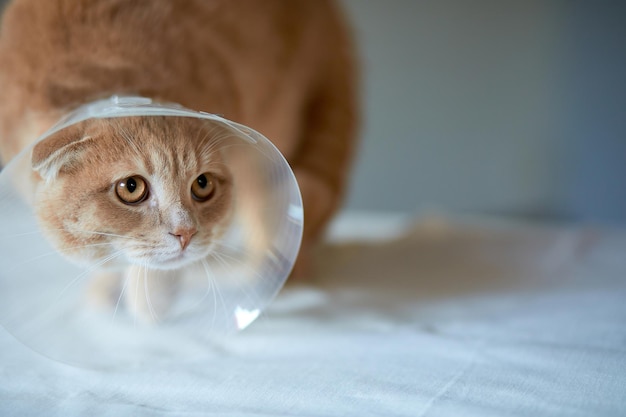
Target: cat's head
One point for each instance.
(150, 191)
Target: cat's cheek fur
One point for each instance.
(60, 229)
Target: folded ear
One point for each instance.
(59, 152)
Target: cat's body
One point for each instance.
(282, 67)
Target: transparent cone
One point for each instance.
(115, 310)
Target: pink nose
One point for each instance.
(184, 235)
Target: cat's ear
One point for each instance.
(60, 152)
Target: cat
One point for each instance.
(149, 192)
(286, 68)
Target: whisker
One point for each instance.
(211, 280)
(249, 293)
(66, 230)
(233, 248)
(204, 296)
(128, 137)
(90, 269)
(223, 147)
(239, 261)
(119, 298)
(136, 300)
(217, 139)
(54, 252)
(216, 144)
(26, 233)
(93, 232)
(145, 286)
(215, 291)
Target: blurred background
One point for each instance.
(514, 108)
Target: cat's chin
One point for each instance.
(175, 262)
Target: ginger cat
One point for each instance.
(282, 67)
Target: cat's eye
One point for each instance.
(132, 190)
(203, 187)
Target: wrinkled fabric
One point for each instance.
(472, 318)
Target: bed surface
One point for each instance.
(433, 317)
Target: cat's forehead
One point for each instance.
(165, 147)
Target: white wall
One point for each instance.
(467, 105)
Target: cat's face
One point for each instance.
(154, 191)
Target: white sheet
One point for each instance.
(454, 318)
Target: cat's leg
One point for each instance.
(255, 202)
(322, 161)
(103, 290)
(149, 293)
(320, 164)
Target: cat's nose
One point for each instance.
(184, 235)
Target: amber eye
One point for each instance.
(203, 187)
(132, 190)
